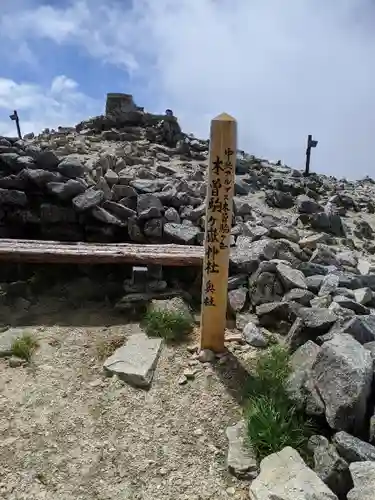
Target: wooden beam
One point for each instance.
(222, 164)
(38, 251)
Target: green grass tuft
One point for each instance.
(24, 346)
(273, 421)
(170, 325)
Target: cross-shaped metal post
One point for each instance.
(16, 119)
(311, 143)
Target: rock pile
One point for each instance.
(301, 264)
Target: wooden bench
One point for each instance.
(37, 251)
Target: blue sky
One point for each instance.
(284, 69)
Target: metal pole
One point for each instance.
(308, 155)
(14, 117)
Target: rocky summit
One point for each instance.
(302, 265)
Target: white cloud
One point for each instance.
(61, 103)
(283, 69)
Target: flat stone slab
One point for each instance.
(241, 459)
(7, 338)
(136, 361)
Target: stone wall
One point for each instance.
(71, 185)
(118, 103)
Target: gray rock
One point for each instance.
(322, 302)
(253, 336)
(136, 361)
(347, 259)
(241, 207)
(254, 232)
(343, 375)
(13, 181)
(278, 199)
(70, 167)
(348, 303)
(363, 474)
(120, 211)
(102, 185)
(111, 177)
(153, 228)
(364, 267)
(317, 319)
(272, 313)
(314, 283)
(135, 231)
(299, 295)
(370, 346)
(241, 459)
(301, 363)
(363, 295)
(41, 177)
(264, 286)
(15, 362)
(363, 230)
(54, 214)
(353, 449)
(67, 190)
(332, 469)
(237, 298)
(306, 205)
(291, 278)
(362, 328)
(123, 191)
(13, 197)
(146, 185)
(194, 214)
(285, 476)
(171, 215)
(46, 159)
(312, 241)
(330, 284)
(330, 223)
(247, 254)
(102, 215)
(180, 233)
(285, 232)
(149, 207)
(312, 269)
(324, 255)
(89, 199)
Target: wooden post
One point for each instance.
(221, 171)
(14, 117)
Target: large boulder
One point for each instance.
(285, 476)
(332, 469)
(363, 474)
(299, 385)
(343, 374)
(247, 254)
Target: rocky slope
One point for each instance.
(301, 262)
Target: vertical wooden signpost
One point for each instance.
(221, 172)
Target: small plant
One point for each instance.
(273, 421)
(170, 325)
(106, 347)
(272, 371)
(24, 346)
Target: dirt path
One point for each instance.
(69, 433)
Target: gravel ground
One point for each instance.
(69, 433)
